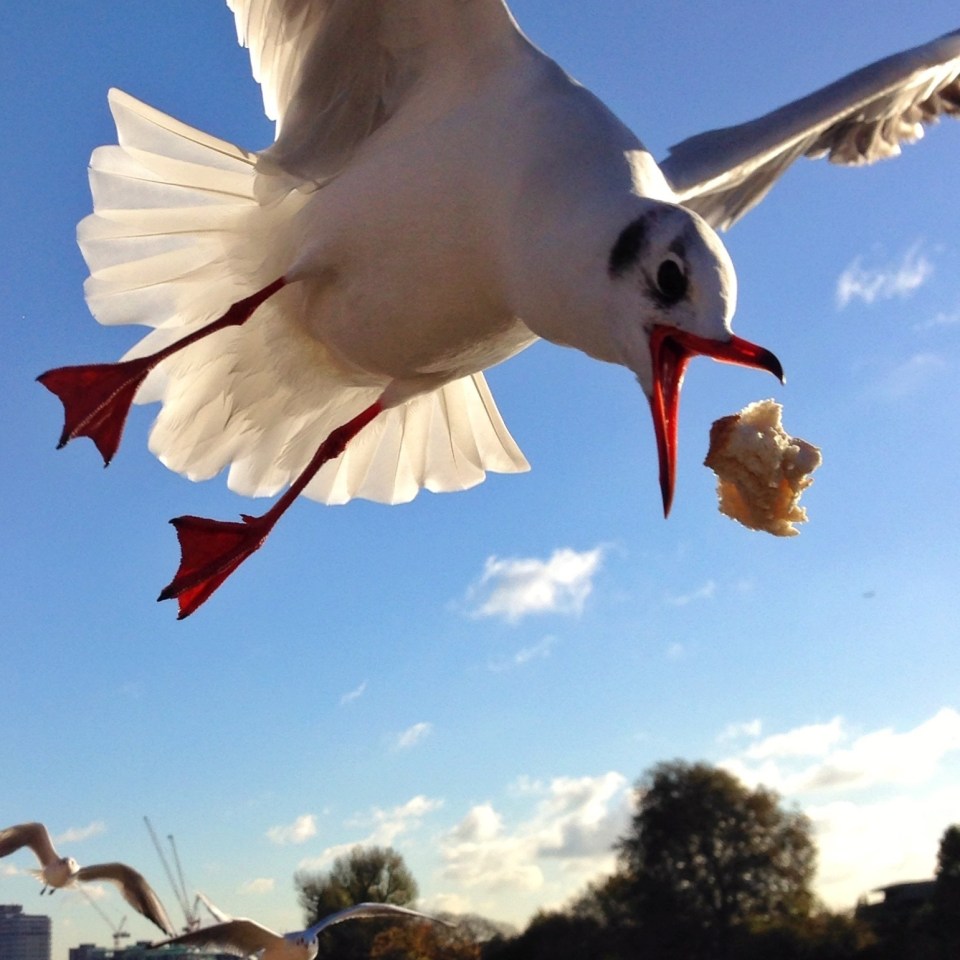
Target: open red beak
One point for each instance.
(671, 350)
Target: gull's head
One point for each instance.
(306, 943)
(675, 291)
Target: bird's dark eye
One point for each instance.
(671, 281)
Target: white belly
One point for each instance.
(404, 266)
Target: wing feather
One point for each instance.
(859, 119)
(333, 71)
(134, 888)
(32, 835)
(239, 936)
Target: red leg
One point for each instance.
(210, 550)
(97, 397)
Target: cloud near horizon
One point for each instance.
(565, 842)
(513, 588)
(828, 756)
(383, 828)
(300, 831)
(873, 284)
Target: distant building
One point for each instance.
(907, 894)
(23, 937)
(139, 951)
(899, 902)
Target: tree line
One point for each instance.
(708, 869)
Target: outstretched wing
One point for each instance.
(861, 118)
(367, 910)
(135, 889)
(333, 71)
(240, 937)
(32, 835)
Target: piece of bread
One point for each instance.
(761, 470)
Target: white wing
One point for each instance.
(367, 910)
(213, 909)
(241, 937)
(859, 119)
(333, 71)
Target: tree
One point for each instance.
(553, 936)
(945, 920)
(424, 941)
(706, 855)
(365, 874)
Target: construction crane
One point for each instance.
(191, 918)
(117, 928)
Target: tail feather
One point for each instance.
(177, 233)
(443, 441)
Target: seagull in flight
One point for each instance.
(440, 194)
(57, 872)
(245, 937)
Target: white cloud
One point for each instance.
(440, 903)
(76, 834)
(814, 739)
(735, 731)
(565, 842)
(354, 694)
(413, 735)
(391, 823)
(820, 757)
(301, 830)
(258, 885)
(899, 279)
(481, 825)
(383, 828)
(866, 845)
(513, 588)
(706, 592)
(538, 651)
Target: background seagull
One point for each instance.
(439, 195)
(244, 937)
(57, 872)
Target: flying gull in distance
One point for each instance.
(57, 872)
(244, 937)
(440, 194)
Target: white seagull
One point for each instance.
(245, 937)
(56, 872)
(440, 194)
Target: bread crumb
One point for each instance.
(761, 470)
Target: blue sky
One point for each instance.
(478, 678)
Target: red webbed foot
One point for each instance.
(96, 399)
(210, 550)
